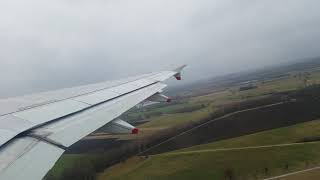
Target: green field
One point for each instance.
(242, 164)
(284, 135)
(204, 162)
(178, 118)
(66, 161)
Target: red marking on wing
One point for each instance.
(135, 131)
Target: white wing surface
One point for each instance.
(35, 130)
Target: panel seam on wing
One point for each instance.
(82, 102)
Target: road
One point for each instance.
(293, 173)
(242, 148)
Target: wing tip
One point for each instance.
(179, 69)
(178, 72)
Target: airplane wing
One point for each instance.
(35, 130)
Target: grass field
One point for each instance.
(243, 164)
(66, 161)
(284, 135)
(170, 120)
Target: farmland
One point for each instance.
(249, 127)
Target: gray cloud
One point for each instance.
(52, 44)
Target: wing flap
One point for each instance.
(27, 158)
(11, 126)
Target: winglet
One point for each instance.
(178, 72)
(179, 69)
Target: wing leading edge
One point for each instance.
(39, 134)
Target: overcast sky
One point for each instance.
(50, 44)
